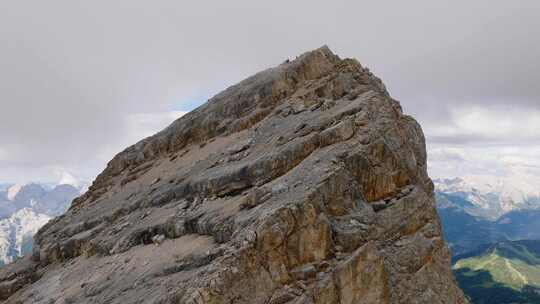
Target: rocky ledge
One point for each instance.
(304, 183)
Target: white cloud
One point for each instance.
(67, 178)
(489, 123)
(134, 128)
(493, 140)
(141, 125)
(447, 154)
(497, 160)
(137, 127)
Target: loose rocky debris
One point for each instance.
(302, 184)
(158, 239)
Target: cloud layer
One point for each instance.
(497, 141)
(79, 81)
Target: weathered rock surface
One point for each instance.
(302, 184)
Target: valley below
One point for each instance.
(495, 254)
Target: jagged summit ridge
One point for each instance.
(238, 107)
(304, 183)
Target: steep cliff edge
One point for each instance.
(304, 183)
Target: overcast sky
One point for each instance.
(81, 80)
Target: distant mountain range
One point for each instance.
(474, 212)
(488, 197)
(26, 208)
(493, 230)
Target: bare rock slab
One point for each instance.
(304, 183)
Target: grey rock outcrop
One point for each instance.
(304, 183)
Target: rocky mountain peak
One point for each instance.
(243, 105)
(304, 183)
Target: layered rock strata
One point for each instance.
(304, 183)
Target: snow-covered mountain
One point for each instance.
(483, 210)
(26, 208)
(16, 233)
(488, 196)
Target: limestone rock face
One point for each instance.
(302, 184)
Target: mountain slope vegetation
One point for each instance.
(466, 228)
(505, 272)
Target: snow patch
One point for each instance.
(13, 191)
(68, 179)
(499, 194)
(17, 230)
